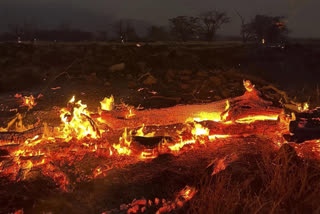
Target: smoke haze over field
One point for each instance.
(99, 14)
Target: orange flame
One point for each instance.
(77, 122)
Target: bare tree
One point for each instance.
(245, 32)
(119, 29)
(184, 27)
(210, 22)
(125, 30)
(25, 31)
(16, 30)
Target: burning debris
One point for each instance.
(120, 135)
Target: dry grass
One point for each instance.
(268, 183)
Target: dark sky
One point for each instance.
(303, 15)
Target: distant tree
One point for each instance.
(16, 30)
(25, 31)
(130, 32)
(245, 31)
(267, 28)
(125, 30)
(210, 22)
(119, 29)
(157, 33)
(184, 27)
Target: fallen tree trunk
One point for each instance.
(248, 105)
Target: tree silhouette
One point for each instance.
(210, 22)
(184, 27)
(268, 28)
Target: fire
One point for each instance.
(251, 119)
(84, 132)
(28, 101)
(212, 116)
(77, 122)
(202, 116)
(199, 130)
(124, 143)
(305, 107)
(130, 114)
(107, 103)
(248, 85)
(140, 132)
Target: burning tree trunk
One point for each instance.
(249, 106)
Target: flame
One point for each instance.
(305, 107)
(248, 85)
(107, 103)
(124, 143)
(29, 102)
(199, 130)
(130, 114)
(251, 119)
(77, 122)
(140, 132)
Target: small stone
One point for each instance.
(186, 72)
(151, 80)
(216, 81)
(132, 84)
(202, 74)
(117, 67)
(185, 78)
(107, 83)
(184, 86)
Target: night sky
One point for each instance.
(303, 15)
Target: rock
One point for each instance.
(150, 80)
(185, 78)
(142, 66)
(170, 75)
(216, 81)
(186, 72)
(108, 84)
(184, 86)
(202, 74)
(129, 76)
(117, 67)
(132, 85)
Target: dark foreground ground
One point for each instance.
(260, 180)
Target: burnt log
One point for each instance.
(306, 126)
(248, 105)
(18, 137)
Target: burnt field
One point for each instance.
(167, 128)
